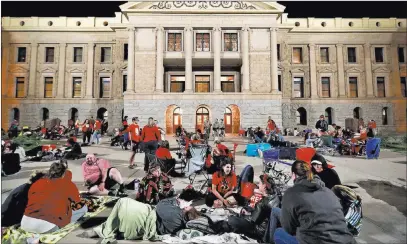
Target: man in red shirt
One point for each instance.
(134, 137)
(150, 137)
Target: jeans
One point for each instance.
(282, 237)
(149, 148)
(275, 217)
(95, 136)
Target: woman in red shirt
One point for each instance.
(49, 201)
(150, 137)
(224, 185)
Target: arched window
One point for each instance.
(228, 110)
(177, 110)
(357, 113)
(385, 116)
(202, 110)
(301, 115)
(44, 114)
(329, 115)
(73, 114)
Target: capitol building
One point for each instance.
(184, 62)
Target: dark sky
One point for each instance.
(323, 9)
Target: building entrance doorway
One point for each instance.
(202, 114)
(228, 120)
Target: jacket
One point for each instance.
(310, 219)
(12, 210)
(170, 218)
(322, 124)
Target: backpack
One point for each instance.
(352, 207)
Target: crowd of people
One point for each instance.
(297, 216)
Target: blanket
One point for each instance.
(15, 234)
(224, 238)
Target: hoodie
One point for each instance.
(328, 176)
(312, 213)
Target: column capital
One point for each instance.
(311, 45)
(131, 28)
(338, 45)
(245, 28)
(217, 28)
(273, 29)
(91, 44)
(159, 28)
(188, 28)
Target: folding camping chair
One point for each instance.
(326, 147)
(196, 165)
(270, 160)
(164, 168)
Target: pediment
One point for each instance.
(297, 70)
(326, 70)
(76, 70)
(105, 70)
(354, 70)
(381, 70)
(202, 7)
(18, 69)
(48, 70)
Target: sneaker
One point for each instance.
(132, 166)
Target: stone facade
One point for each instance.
(259, 26)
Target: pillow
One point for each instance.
(201, 224)
(187, 234)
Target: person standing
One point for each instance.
(216, 127)
(150, 137)
(86, 130)
(322, 124)
(134, 137)
(97, 131)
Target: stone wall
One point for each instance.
(252, 112)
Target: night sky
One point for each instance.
(323, 9)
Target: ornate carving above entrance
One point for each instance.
(203, 5)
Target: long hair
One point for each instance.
(224, 161)
(192, 214)
(303, 170)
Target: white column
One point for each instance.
(274, 61)
(131, 81)
(89, 78)
(245, 52)
(217, 41)
(341, 74)
(395, 84)
(368, 70)
(5, 49)
(33, 71)
(61, 70)
(313, 71)
(159, 72)
(188, 58)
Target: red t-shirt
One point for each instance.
(224, 184)
(163, 153)
(255, 199)
(49, 200)
(134, 131)
(98, 125)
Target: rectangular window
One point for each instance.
(297, 55)
(21, 54)
(278, 52)
(77, 87)
(401, 55)
(174, 42)
(381, 92)
(228, 83)
(353, 86)
(104, 87)
(326, 86)
(324, 51)
(124, 83)
(202, 83)
(126, 51)
(378, 53)
(177, 83)
(20, 91)
(403, 86)
(279, 82)
(48, 87)
(298, 87)
(230, 42)
(106, 54)
(77, 52)
(49, 54)
(351, 55)
(203, 42)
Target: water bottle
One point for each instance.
(136, 185)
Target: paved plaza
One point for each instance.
(384, 206)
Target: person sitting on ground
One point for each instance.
(259, 135)
(49, 201)
(155, 186)
(310, 137)
(305, 217)
(224, 187)
(134, 220)
(75, 151)
(100, 177)
(327, 175)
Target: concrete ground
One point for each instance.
(381, 184)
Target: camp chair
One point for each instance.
(196, 165)
(270, 161)
(153, 158)
(326, 146)
(373, 148)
